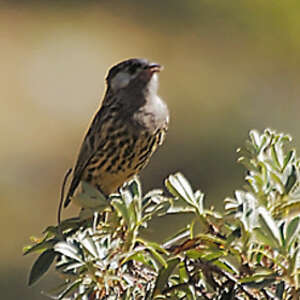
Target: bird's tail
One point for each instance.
(62, 195)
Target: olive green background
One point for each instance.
(229, 66)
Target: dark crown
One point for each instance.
(129, 65)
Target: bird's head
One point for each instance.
(134, 73)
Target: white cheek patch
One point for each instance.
(121, 80)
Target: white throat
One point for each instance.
(153, 84)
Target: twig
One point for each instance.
(207, 265)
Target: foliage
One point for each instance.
(249, 251)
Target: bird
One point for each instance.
(130, 124)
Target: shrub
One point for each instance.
(249, 251)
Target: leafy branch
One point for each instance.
(249, 251)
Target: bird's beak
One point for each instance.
(154, 67)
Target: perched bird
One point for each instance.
(126, 130)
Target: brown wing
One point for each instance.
(89, 147)
(163, 132)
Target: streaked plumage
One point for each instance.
(126, 130)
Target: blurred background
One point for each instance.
(230, 66)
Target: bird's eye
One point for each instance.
(121, 80)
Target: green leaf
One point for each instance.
(225, 266)
(157, 209)
(288, 159)
(133, 215)
(72, 223)
(292, 178)
(183, 275)
(89, 244)
(180, 187)
(156, 194)
(259, 275)
(275, 156)
(153, 248)
(268, 231)
(255, 138)
(290, 208)
(41, 266)
(69, 268)
(126, 197)
(194, 254)
(213, 255)
(164, 274)
(199, 199)
(68, 250)
(258, 283)
(40, 247)
(292, 231)
(142, 257)
(278, 181)
(135, 188)
(121, 208)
